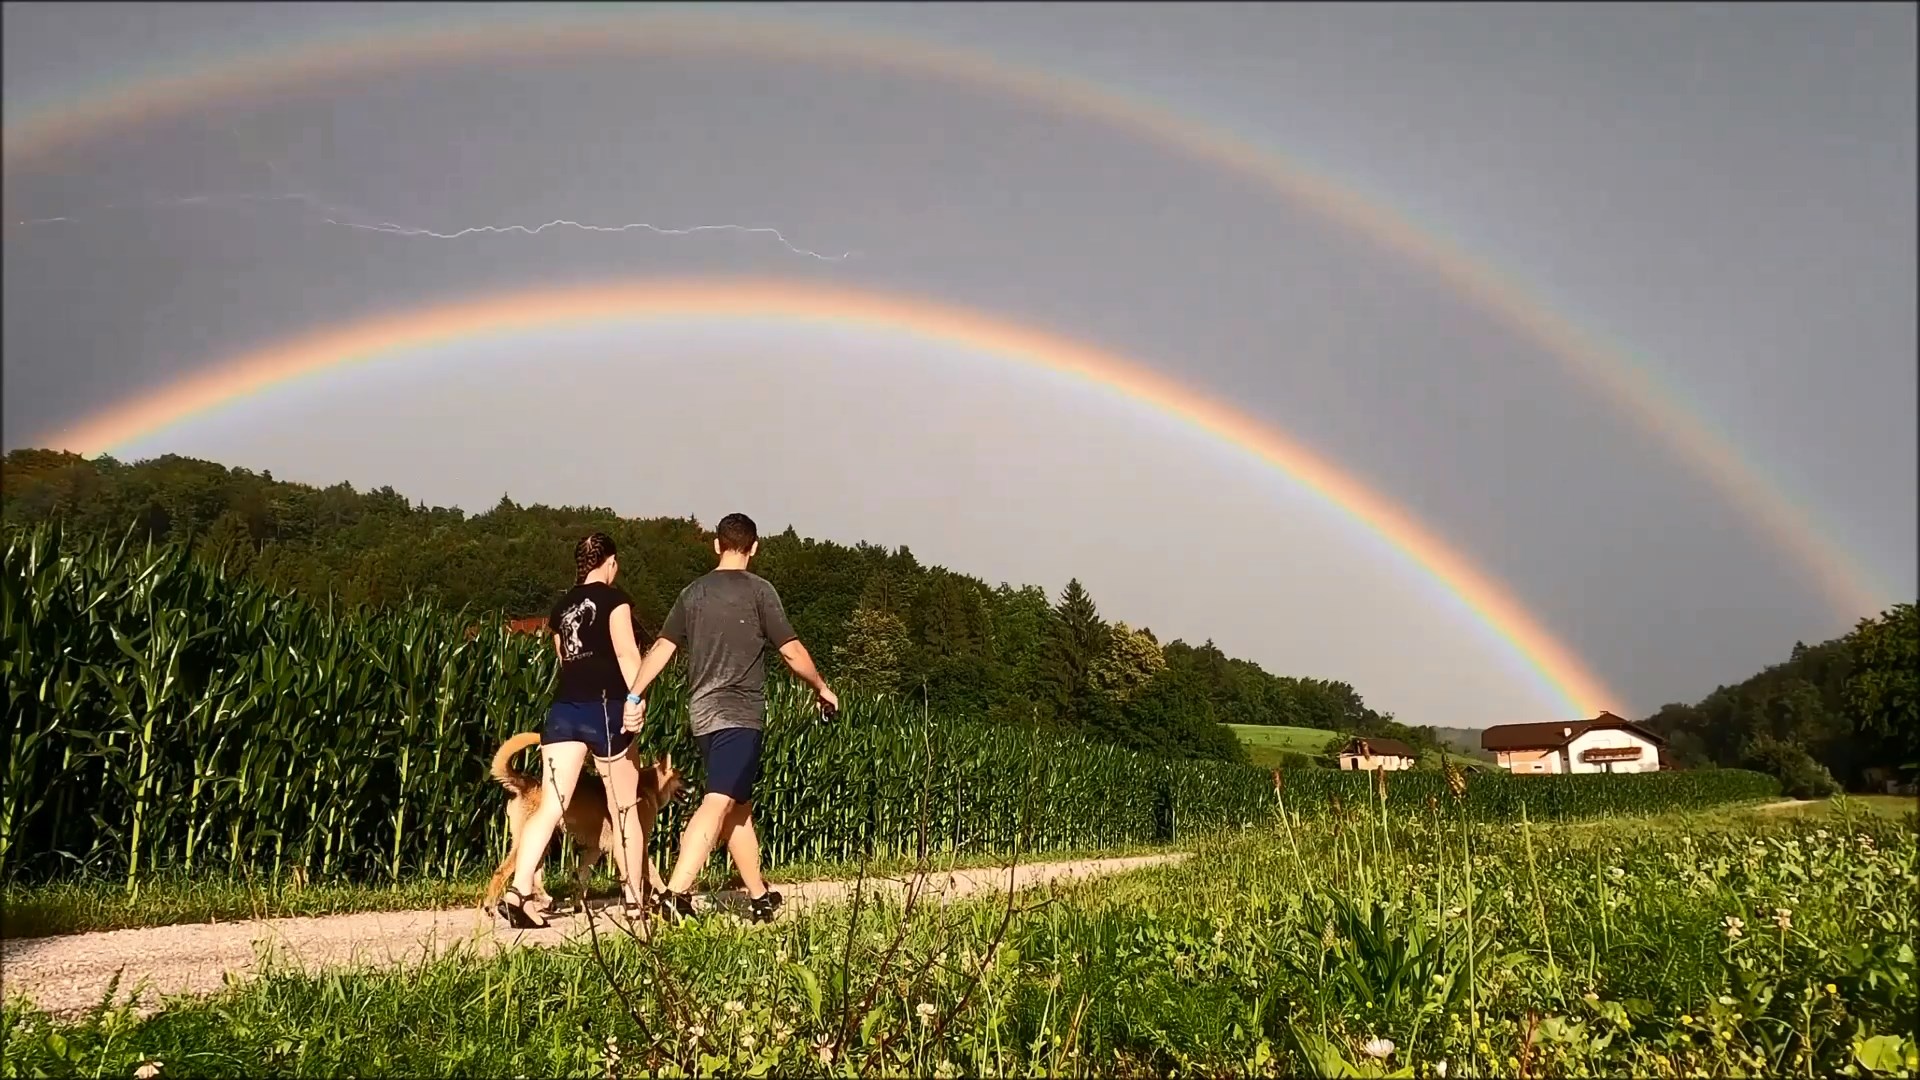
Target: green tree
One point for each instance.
(1130, 661)
(1884, 690)
(874, 655)
(228, 543)
(885, 592)
(1077, 638)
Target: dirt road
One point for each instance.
(70, 974)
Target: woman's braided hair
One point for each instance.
(589, 553)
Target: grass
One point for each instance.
(1892, 807)
(167, 900)
(1266, 743)
(1361, 944)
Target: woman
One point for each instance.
(593, 633)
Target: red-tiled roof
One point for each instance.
(1377, 747)
(1552, 736)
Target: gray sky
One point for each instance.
(1723, 194)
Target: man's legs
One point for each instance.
(697, 840)
(743, 846)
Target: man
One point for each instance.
(726, 620)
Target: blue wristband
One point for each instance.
(635, 699)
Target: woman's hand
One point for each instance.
(633, 716)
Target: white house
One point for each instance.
(1605, 743)
(1365, 753)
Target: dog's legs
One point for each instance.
(499, 883)
(589, 858)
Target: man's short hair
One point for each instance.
(737, 532)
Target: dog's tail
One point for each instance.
(516, 782)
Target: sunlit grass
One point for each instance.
(1731, 943)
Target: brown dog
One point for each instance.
(585, 818)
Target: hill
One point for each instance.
(1462, 741)
(1267, 743)
(875, 617)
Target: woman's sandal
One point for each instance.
(516, 913)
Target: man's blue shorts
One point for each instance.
(595, 723)
(732, 759)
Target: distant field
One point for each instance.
(1265, 744)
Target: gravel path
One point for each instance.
(70, 974)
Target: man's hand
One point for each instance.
(826, 698)
(633, 716)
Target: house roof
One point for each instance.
(1552, 736)
(1379, 747)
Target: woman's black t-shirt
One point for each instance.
(589, 670)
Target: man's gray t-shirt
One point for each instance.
(724, 622)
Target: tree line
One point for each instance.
(879, 619)
(1841, 714)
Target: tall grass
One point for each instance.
(166, 716)
(1748, 947)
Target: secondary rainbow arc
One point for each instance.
(1848, 587)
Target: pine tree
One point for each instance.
(1076, 640)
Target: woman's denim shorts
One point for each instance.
(595, 723)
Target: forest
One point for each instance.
(876, 618)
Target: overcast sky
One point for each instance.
(1723, 194)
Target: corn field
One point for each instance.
(163, 715)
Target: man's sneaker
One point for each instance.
(673, 906)
(761, 908)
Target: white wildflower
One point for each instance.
(1377, 1048)
(735, 1007)
(1783, 918)
(696, 1032)
(147, 1070)
(1440, 1069)
(747, 1039)
(1734, 926)
(1725, 1000)
(1616, 873)
(927, 1011)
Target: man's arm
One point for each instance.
(774, 624)
(672, 632)
(800, 662)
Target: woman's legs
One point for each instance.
(621, 777)
(559, 771)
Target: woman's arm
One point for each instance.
(625, 648)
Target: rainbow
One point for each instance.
(412, 331)
(1655, 409)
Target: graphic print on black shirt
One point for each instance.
(583, 620)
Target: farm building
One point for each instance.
(1363, 753)
(1605, 743)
